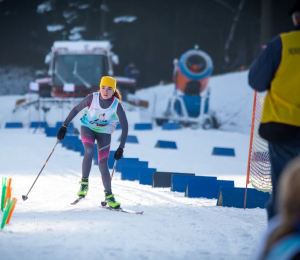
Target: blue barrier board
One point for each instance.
(51, 131)
(143, 126)
(234, 197)
(132, 173)
(170, 126)
(132, 139)
(205, 188)
(146, 176)
(14, 125)
(179, 182)
(126, 162)
(136, 164)
(223, 151)
(67, 140)
(166, 144)
(59, 125)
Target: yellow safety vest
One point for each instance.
(282, 102)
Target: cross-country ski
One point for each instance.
(80, 198)
(123, 210)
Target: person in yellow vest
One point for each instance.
(277, 70)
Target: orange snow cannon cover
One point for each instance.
(192, 72)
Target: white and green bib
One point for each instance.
(99, 119)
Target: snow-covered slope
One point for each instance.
(231, 100)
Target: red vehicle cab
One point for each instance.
(81, 63)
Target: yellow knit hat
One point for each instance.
(108, 81)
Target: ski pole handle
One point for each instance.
(112, 174)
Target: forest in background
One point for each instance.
(150, 33)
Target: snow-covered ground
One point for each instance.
(46, 226)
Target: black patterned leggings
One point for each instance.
(88, 138)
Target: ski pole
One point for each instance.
(112, 174)
(26, 197)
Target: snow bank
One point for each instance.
(74, 33)
(84, 6)
(44, 7)
(81, 45)
(125, 19)
(231, 100)
(54, 28)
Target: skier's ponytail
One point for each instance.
(117, 94)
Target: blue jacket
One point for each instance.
(263, 69)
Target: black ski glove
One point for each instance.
(61, 133)
(118, 153)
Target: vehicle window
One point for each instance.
(87, 67)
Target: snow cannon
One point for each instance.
(189, 104)
(192, 72)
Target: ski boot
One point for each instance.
(84, 187)
(110, 199)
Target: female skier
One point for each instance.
(99, 121)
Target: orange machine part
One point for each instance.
(182, 80)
